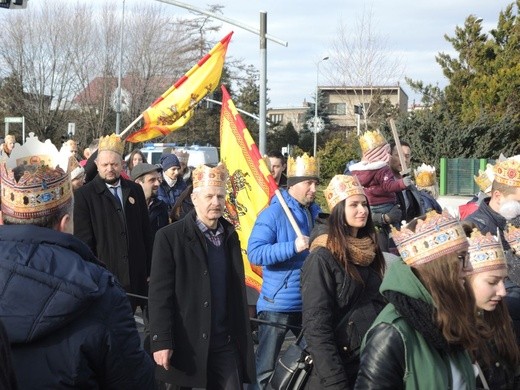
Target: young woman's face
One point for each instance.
(356, 213)
(488, 288)
(137, 159)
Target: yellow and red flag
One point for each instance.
(250, 185)
(174, 108)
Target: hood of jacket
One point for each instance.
(400, 278)
(48, 278)
(293, 204)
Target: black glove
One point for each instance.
(394, 216)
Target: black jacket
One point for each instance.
(180, 302)
(68, 320)
(328, 293)
(121, 239)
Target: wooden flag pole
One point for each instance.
(404, 168)
(288, 213)
(123, 133)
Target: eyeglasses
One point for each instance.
(464, 259)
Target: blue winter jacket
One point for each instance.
(170, 194)
(271, 245)
(69, 322)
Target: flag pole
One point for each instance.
(123, 133)
(288, 213)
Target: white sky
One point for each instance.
(414, 31)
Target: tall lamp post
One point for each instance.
(315, 127)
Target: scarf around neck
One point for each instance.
(362, 250)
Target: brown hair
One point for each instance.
(454, 308)
(337, 241)
(502, 188)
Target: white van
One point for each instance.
(199, 155)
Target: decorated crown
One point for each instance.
(35, 181)
(508, 172)
(204, 176)
(435, 236)
(512, 235)
(340, 188)
(425, 176)
(303, 166)
(485, 253)
(182, 155)
(370, 140)
(112, 143)
(483, 181)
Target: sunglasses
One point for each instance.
(464, 259)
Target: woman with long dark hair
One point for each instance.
(498, 355)
(422, 337)
(340, 285)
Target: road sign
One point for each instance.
(13, 119)
(315, 124)
(71, 129)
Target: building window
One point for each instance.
(276, 118)
(337, 108)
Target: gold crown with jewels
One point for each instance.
(113, 143)
(508, 172)
(35, 181)
(433, 237)
(204, 176)
(425, 176)
(483, 181)
(303, 166)
(370, 140)
(340, 188)
(485, 253)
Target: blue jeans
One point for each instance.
(270, 340)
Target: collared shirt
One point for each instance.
(117, 187)
(216, 236)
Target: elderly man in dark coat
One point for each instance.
(198, 309)
(111, 217)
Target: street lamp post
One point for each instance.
(315, 127)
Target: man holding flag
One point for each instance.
(280, 250)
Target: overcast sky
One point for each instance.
(413, 30)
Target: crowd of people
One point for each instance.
(386, 289)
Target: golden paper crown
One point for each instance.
(182, 155)
(205, 176)
(508, 172)
(425, 176)
(112, 143)
(35, 181)
(340, 188)
(485, 253)
(435, 236)
(512, 235)
(370, 140)
(303, 166)
(483, 181)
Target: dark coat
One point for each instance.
(69, 322)
(159, 218)
(7, 376)
(180, 302)
(123, 241)
(329, 293)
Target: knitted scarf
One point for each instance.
(420, 315)
(362, 250)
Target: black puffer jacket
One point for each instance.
(328, 293)
(68, 320)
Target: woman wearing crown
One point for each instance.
(498, 356)
(340, 285)
(421, 338)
